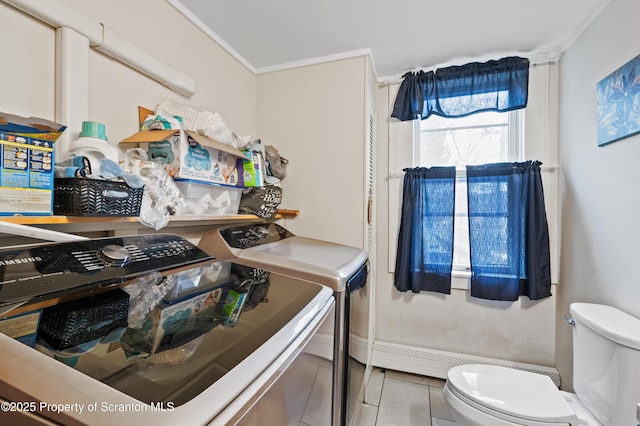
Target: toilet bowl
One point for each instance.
(488, 395)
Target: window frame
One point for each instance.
(516, 143)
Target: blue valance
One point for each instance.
(499, 85)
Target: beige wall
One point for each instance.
(314, 116)
(28, 74)
(115, 91)
(599, 196)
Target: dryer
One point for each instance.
(342, 268)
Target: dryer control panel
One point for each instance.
(242, 237)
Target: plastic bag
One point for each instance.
(144, 295)
(157, 122)
(206, 123)
(262, 202)
(161, 197)
(277, 165)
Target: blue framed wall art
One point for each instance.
(619, 103)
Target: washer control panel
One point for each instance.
(113, 254)
(47, 270)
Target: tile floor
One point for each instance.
(393, 398)
(302, 397)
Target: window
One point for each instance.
(538, 122)
(487, 137)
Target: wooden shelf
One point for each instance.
(68, 220)
(63, 220)
(48, 228)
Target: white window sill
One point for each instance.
(460, 280)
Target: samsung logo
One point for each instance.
(20, 261)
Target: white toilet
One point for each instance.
(606, 379)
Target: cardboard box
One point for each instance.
(171, 325)
(22, 327)
(188, 155)
(30, 127)
(26, 168)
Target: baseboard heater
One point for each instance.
(434, 363)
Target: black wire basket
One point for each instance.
(82, 320)
(94, 197)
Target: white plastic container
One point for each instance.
(198, 280)
(93, 145)
(210, 198)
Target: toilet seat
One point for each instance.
(513, 395)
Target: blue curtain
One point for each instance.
(500, 85)
(508, 232)
(425, 241)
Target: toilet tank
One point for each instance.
(606, 362)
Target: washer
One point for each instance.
(211, 367)
(342, 268)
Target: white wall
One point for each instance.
(115, 91)
(599, 197)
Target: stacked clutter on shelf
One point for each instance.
(261, 176)
(184, 161)
(216, 171)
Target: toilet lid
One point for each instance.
(512, 392)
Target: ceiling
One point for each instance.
(400, 35)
